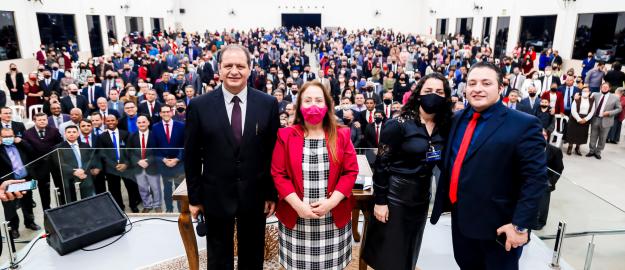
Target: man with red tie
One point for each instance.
(144, 163)
(367, 116)
(493, 177)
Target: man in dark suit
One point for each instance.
(128, 75)
(169, 135)
(531, 104)
(43, 139)
(143, 161)
(568, 91)
(165, 85)
(57, 74)
(13, 157)
(231, 133)
(367, 117)
(92, 92)
(555, 166)
(373, 131)
(49, 85)
(205, 71)
(386, 105)
(75, 159)
(57, 118)
(151, 107)
(74, 100)
(548, 79)
(114, 163)
(493, 176)
(6, 116)
(369, 92)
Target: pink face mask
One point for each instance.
(314, 114)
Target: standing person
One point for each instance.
(168, 136)
(494, 176)
(235, 181)
(312, 158)
(34, 93)
(15, 83)
(144, 163)
(582, 112)
(75, 158)
(607, 106)
(614, 135)
(6, 197)
(410, 148)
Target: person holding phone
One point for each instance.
(6, 196)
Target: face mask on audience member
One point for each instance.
(91, 83)
(544, 106)
(585, 94)
(180, 110)
(347, 121)
(378, 120)
(8, 141)
(553, 89)
(132, 93)
(535, 76)
(532, 94)
(314, 114)
(432, 103)
(387, 101)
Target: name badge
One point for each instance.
(433, 155)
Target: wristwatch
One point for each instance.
(519, 229)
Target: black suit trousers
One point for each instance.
(250, 241)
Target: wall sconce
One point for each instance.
(477, 8)
(40, 1)
(377, 13)
(170, 11)
(432, 11)
(232, 13)
(124, 7)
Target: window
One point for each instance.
(157, 25)
(602, 34)
(464, 27)
(111, 29)
(9, 47)
(501, 36)
(95, 35)
(134, 24)
(56, 29)
(486, 29)
(538, 31)
(441, 28)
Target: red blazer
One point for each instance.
(559, 100)
(286, 169)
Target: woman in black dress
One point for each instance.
(410, 147)
(15, 83)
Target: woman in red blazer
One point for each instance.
(314, 169)
(551, 95)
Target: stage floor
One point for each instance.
(155, 241)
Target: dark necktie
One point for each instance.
(236, 119)
(599, 106)
(41, 134)
(464, 146)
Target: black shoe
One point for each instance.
(597, 156)
(590, 155)
(15, 234)
(134, 209)
(33, 226)
(578, 152)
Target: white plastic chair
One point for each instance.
(558, 133)
(34, 109)
(18, 112)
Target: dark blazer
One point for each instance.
(67, 161)
(53, 86)
(131, 78)
(6, 168)
(107, 157)
(3, 99)
(19, 80)
(235, 178)
(370, 141)
(562, 90)
(554, 165)
(109, 111)
(524, 106)
(81, 103)
(286, 169)
(173, 147)
(134, 153)
(123, 122)
(17, 127)
(65, 118)
(97, 91)
(143, 109)
(161, 87)
(504, 174)
(206, 73)
(41, 147)
(93, 139)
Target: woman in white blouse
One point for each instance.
(582, 111)
(532, 79)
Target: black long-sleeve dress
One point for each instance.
(402, 180)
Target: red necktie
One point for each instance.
(387, 111)
(464, 146)
(143, 146)
(167, 131)
(370, 117)
(152, 108)
(87, 140)
(377, 134)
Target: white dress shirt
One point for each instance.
(229, 105)
(116, 140)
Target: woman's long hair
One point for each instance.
(329, 122)
(443, 117)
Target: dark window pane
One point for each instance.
(9, 47)
(95, 35)
(134, 24)
(486, 29)
(56, 29)
(501, 36)
(602, 34)
(464, 26)
(111, 28)
(157, 25)
(538, 31)
(441, 28)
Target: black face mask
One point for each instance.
(180, 110)
(347, 121)
(378, 120)
(553, 89)
(289, 84)
(544, 106)
(55, 68)
(432, 103)
(91, 83)
(13, 69)
(388, 101)
(532, 94)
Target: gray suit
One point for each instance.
(601, 125)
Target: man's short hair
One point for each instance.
(71, 127)
(95, 113)
(86, 121)
(234, 47)
(490, 66)
(41, 114)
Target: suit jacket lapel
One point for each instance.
(489, 129)
(222, 114)
(296, 152)
(251, 122)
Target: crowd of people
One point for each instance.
(123, 117)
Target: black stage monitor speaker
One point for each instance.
(82, 223)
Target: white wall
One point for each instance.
(28, 31)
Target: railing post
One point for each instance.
(589, 253)
(77, 188)
(10, 245)
(557, 248)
